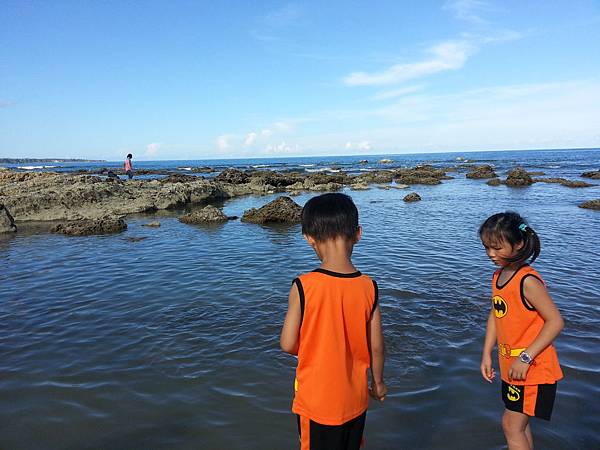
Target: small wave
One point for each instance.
(34, 167)
(184, 168)
(324, 169)
(260, 166)
(306, 165)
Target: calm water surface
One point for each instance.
(172, 341)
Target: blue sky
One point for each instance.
(221, 79)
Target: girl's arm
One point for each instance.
(377, 352)
(536, 294)
(291, 326)
(487, 371)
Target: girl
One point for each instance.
(523, 321)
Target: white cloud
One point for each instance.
(281, 148)
(449, 55)
(362, 145)
(266, 133)
(223, 142)
(250, 138)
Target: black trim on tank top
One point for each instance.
(523, 299)
(298, 284)
(376, 297)
(511, 277)
(337, 274)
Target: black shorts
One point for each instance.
(314, 436)
(535, 400)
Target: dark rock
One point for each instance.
(537, 174)
(518, 177)
(111, 174)
(180, 178)
(594, 175)
(282, 209)
(591, 204)
(105, 225)
(480, 172)
(202, 170)
(425, 174)
(412, 197)
(233, 176)
(208, 214)
(363, 161)
(494, 182)
(275, 179)
(7, 223)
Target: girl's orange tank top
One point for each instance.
(333, 355)
(517, 326)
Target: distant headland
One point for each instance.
(45, 160)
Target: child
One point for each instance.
(523, 321)
(333, 324)
(128, 167)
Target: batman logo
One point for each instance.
(500, 306)
(513, 393)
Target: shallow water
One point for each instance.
(172, 341)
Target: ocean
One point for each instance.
(172, 341)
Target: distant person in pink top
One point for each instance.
(128, 166)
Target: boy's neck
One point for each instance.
(335, 255)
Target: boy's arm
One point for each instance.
(536, 294)
(487, 371)
(377, 353)
(291, 326)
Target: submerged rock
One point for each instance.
(282, 209)
(412, 197)
(105, 225)
(518, 177)
(479, 172)
(7, 223)
(180, 178)
(591, 204)
(494, 182)
(208, 214)
(154, 224)
(594, 175)
(564, 182)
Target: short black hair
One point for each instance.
(328, 216)
(130, 155)
(510, 227)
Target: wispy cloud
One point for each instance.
(386, 95)
(471, 11)
(223, 142)
(269, 26)
(449, 55)
(250, 138)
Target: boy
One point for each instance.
(333, 324)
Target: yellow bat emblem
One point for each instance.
(500, 307)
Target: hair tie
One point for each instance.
(523, 227)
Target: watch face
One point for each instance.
(524, 357)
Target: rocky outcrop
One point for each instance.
(233, 176)
(179, 178)
(480, 172)
(412, 197)
(155, 224)
(50, 196)
(594, 175)
(425, 174)
(105, 225)
(208, 214)
(591, 204)
(518, 177)
(282, 209)
(7, 223)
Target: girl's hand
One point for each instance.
(518, 370)
(487, 371)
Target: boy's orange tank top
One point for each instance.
(517, 326)
(333, 355)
